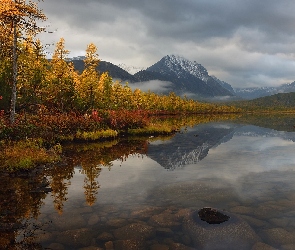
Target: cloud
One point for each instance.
(153, 85)
(242, 42)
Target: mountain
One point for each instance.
(252, 93)
(225, 85)
(188, 78)
(130, 69)
(115, 71)
(278, 102)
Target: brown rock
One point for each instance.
(178, 246)
(68, 221)
(130, 245)
(117, 222)
(254, 222)
(56, 246)
(242, 210)
(159, 247)
(76, 238)
(164, 232)
(280, 222)
(146, 212)
(91, 248)
(232, 234)
(262, 246)
(41, 236)
(109, 245)
(288, 247)
(182, 213)
(165, 219)
(105, 236)
(135, 231)
(93, 219)
(279, 236)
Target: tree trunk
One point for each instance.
(14, 74)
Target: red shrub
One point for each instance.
(124, 119)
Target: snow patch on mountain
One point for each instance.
(130, 69)
(179, 65)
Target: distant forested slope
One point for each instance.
(282, 101)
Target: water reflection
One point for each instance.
(190, 146)
(21, 198)
(104, 191)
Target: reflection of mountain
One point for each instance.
(254, 131)
(194, 145)
(191, 146)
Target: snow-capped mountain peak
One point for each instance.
(179, 65)
(130, 69)
(187, 76)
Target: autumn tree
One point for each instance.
(88, 88)
(105, 84)
(61, 77)
(32, 74)
(18, 19)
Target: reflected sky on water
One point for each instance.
(221, 152)
(245, 169)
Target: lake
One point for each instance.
(145, 193)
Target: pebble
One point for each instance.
(279, 236)
(262, 246)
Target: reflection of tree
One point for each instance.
(92, 157)
(91, 186)
(20, 200)
(102, 154)
(60, 180)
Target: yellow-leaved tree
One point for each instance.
(18, 19)
(61, 80)
(32, 67)
(88, 88)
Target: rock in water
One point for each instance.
(211, 216)
(215, 230)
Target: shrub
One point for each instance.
(27, 154)
(127, 119)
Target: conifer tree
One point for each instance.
(62, 78)
(88, 87)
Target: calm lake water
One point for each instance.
(142, 194)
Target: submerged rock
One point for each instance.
(224, 231)
(135, 231)
(211, 216)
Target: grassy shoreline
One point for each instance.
(37, 139)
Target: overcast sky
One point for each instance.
(243, 42)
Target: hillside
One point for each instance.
(115, 71)
(277, 102)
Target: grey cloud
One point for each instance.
(231, 38)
